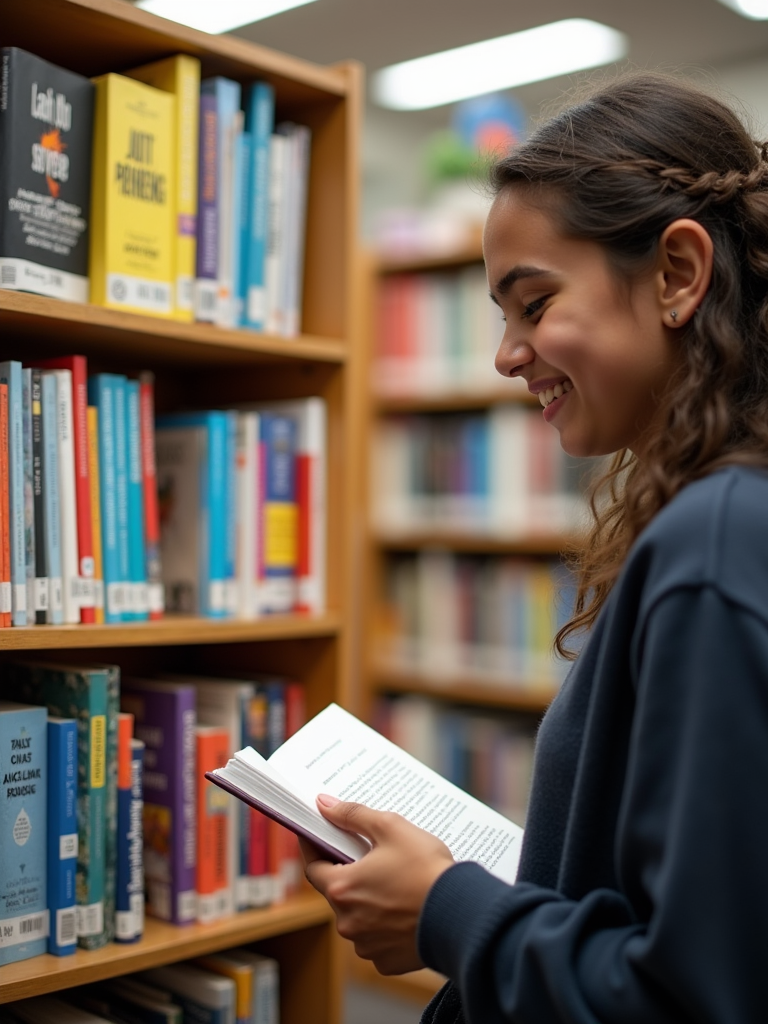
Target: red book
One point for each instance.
(5, 536)
(78, 365)
(214, 892)
(151, 504)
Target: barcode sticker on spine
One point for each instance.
(66, 926)
(16, 930)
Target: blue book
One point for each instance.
(62, 834)
(230, 570)
(193, 483)
(55, 613)
(241, 218)
(136, 554)
(101, 393)
(10, 374)
(23, 813)
(80, 692)
(129, 904)
(279, 546)
(259, 122)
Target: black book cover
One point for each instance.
(46, 127)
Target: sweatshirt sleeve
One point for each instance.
(684, 937)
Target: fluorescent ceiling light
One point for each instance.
(218, 15)
(757, 10)
(529, 56)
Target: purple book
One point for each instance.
(207, 270)
(165, 716)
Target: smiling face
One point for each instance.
(596, 350)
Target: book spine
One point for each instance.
(153, 570)
(231, 593)
(62, 835)
(136, 553)
(294, 273)
(129, 899)
(207, 259)
(95, 489)
(311, 471)
(247, 448)
(214, 593)
(121, 493)
(29, 493)
(187, 127)
(279, 532)
(214, 888)
(243, 163)
(230, 124)
(67, 497)
(6, 602)
(51, 494)
(40, 589)
(259, 123)
(275, 253)
(266, 990)
(24, 919)
(254, 855)
(102, 396)
(112, 673)
(10, 374)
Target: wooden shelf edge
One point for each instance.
(171, 631)
(161, 944)
(418, 986)
(471, 252)
(451, 401)
(465, 690)
(27, 310)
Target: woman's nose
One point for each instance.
(512, 357)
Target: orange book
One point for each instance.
(95, 494)
(214, 886)
(5, 535)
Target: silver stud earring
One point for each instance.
(673, 314)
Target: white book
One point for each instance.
(296, 180)
(273, 263)
(248, 509)
(67, 497)
(336, 753)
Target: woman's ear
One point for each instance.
(684, 270)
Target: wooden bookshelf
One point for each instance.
(466, 689)
(198, 365)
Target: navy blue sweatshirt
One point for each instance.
(642, 895)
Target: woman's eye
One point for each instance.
(533, 307)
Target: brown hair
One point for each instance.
(617, 169)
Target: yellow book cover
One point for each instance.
(132, 237)
(93, 471)
(180, 75)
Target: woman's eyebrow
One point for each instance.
(516, 274)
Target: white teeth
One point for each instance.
(550, 394)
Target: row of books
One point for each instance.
(486, 754)
(448, 616)
(153, 192)
(436, 333)
(238, 986)
(105, 792)
(500, 472)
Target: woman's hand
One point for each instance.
(378, 899)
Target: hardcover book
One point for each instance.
(214, 886)
(29, 494)
(10, 374)
(50, 400)
(6, 602)
(23, 831)
(153, 570)
(278, 547)
(259, 122)
(137, 578)
(101, 394)
(94, 480)
(40, 590)
(132, 230)
(129, 895)
(164, 719)
(46, 122)
(62, 834)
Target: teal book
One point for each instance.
(81, 692)
(62, 835)
(23, 831)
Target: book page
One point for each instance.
(336, 753)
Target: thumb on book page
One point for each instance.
(352, 817)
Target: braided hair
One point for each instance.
(617, 169)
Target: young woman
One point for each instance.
(627, 248)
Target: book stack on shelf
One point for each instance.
(110, 218)
(153, 191)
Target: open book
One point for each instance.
(336, 753)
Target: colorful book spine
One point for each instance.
(229, 122)
(280, 512)
(153, 571)
(46, 121)
(194, 481)
(205, 997)
(136, 558)
(40, 590)
(62, 835)
(255, 850)
(275, 254)
(55, 614)
(78, 367)
(29, 494)
(101, 392)
(180, 75)
(230, 564)
(248, 512)
(95, 493)
(207, 255)
(165, 718)
(10, 374)
(214, 884)
(242, 223)
(296, 214)
(71, 590)
(133, 180)
(6, 602)
(24, 919)
(242, 975)
(259, 123)
(81, 692)
(121, 493)
(266, 984)
(129, 897)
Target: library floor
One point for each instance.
(364, 1005)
